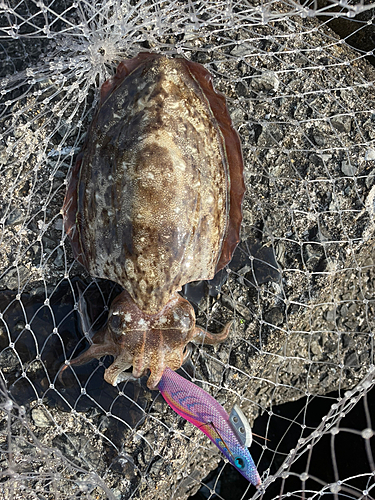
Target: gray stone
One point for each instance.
(15, 217)
(274, 316)
(351, 359)
(348, 169)
(41, 418)
(266, 81)
(15, 278)
(370, 154)
(342, 123)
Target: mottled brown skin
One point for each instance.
(154, 202)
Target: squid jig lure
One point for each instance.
(230, 433)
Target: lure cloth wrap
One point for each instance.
(202, 410)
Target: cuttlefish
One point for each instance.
(154, 202)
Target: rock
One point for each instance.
(41, 418)
(342, 123)
(351, 359)
(274, 316)
(348, 169)
(265, 81)
(370, 154)
(17, 216)
(15, 278)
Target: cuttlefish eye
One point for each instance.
(115, 323)
(240, 463)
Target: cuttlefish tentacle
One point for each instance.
(100, 347)
(207, 338)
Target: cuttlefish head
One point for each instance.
(146, 341)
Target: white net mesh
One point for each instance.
(300, 286)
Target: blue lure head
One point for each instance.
(237, 454)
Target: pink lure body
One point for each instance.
(202, 410)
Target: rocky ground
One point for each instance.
(300, 286)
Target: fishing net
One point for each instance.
(299, 81)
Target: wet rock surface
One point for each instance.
(300, 286)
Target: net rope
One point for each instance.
(299, 82)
